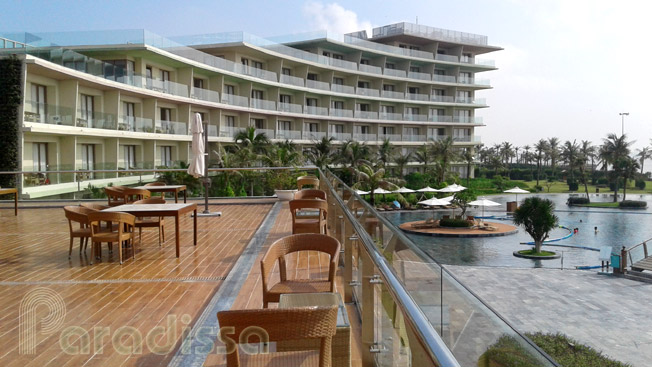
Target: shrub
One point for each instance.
(602, 181)
(640, 184)
(527, 177)
(455, 222)
(576, 200)
(632, 204)
(538, 188)
(572, 185)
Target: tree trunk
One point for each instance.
(625, 189)
(537, 246)
(371, 197)
(616, 190)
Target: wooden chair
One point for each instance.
(133, 195)
(157, 184)
(151, 222)
(94, 206)
(275, 325)
(78, 214)
(311, 224)
(307, 181)
(122, 233)
(295, 243)
(310, 194)
(115, 195)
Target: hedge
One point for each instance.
(454, 222)
(632, 204)
(10, 70)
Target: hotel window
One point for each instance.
(326, 53)
(229, 89)
(313, 76)
(129, 156)
(415, 69)
(166, 156)
(463, 115)
(338, 105)
(166, 117)
(118, 69)
(244, 61)
(86, 107)
(229, 121)
(463, 96)
(412, 110)
(338, 57)
(286, 71)
(198, 83)
(337, 129)
(285, 98)
(411, 131)
(438, 92)
(389, 65)
(40, 156)
(202, 115)
(257, 123)
(415, 48)
(257, 64)
(441, 52)
(165, 76)
(88, 157)
(361, 129)
(39, 102)
(387, 130)
(363, 107)
(436, 131)
(148, 76)
(284, 125)
(413, 90)
(386, 109)
(466, 57)
(437, 112)
(363, 84)
(338, 81)
(311, 126)
(312, 102)
(364, 62)
(256, 94)
(128, 116)
(465, 77)
(462, 134)
(389, 87)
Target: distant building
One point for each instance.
(124, 99)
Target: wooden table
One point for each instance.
(161, 210)
(341, 345)
(12, 191)
(167, 188)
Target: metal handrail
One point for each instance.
(435, 346)
(405, 240)
(216, 169)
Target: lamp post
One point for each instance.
(622, 115)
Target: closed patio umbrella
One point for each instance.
(198, 163)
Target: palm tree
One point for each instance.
(283, 154)
(582, 159)
(588, 151)
(352, 154)
(553, 153)
(629, 167)
(401, 161)
(370, 178)
(467, 156)
(226, 159)
(541, 149)
(642, 155)
(257, 142)
(538, 218)
(445, 154)
(615, 151)
(569, 153)
(321, 154)
(423, 154)
(385, 152)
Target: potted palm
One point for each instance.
(537, 216)
(283, 180)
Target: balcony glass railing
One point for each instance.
(411, 117)
(340, 136)
(444, 99)
(212, 130)
(477, 61)
(290, 107)
(48, 113)
(366, 115)
(395, 72)
(437, 137)
(262, 104)
(467, 119)
(367, 92)
(229, 131)
(136, 124)
(365, 137)
(293, 80)
(96, 120)
(440, 118)
(312, 135)
(392, 94)
(235, 100)
(288, 134)
(444, 78)
(315, 84)
(433, 33)
(171, 127)
(418, 75)
(391, 137)
(205, 94)
(473, 81)
(336, 112)
(417, 97)
(342, 88)
(449, 58)
(314, 110)
(390, 116)
(370, 69)
(413, 138)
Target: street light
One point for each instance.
(623, 114)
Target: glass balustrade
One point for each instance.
(440, 118)
(312, 135)
(96, 120)
(46, 113)
(342, 88)
(366, 115)
(417, 97)
(205, 94)
(228, 131)
(392, 94)
(370, 69)
(315, 84)
(314, 110)
(391, 137)
(395, 72)
(290, 107)
(263, 104)
(367, 92)
(365, 137)
(288, 134)
(336, 112)
(390, 116)
(340, 136)
(444, 99)
(420, 76)
(411, 117)
(413, 138)
(444, 78)
(293, 80)
(234, 100)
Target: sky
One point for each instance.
(568, 67)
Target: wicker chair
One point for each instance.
(310, 194)
(78, 214)
(133, 195)
(122, 233)
(115, 195)
(307, 181)
(311, 224)
(276, 325)
(294, 243)
(94, 206)
(157, 184)
(151, 222)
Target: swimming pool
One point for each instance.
(616, 228)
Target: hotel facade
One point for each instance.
(124, 100)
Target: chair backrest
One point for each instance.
(299, 242)
(115, 195)
(278, 325)
(132, 195)
(150, 201)
(123, 219)
(156, 184)
(95, 206)
(296, 205)
(77, 214)
(310, 194)
(307, 181)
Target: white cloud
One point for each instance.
(334, 18)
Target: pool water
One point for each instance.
(616, 228)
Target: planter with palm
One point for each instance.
(537, 216)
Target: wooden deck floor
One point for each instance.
(109, 301)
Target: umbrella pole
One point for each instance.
(207, 182)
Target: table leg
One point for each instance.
(176, 232)
(194, 224)
(176, 197)
(16, 204)
(184, 196)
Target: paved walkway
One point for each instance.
(613, 315)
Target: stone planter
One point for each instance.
(285, 195)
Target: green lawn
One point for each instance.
(559, 187)
(570, 353)
(601, 205)
(531, 252)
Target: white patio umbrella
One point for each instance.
(483, 203)
(434, 202)
(404, 190)
(517, 190)
(380, 190)
(360, 192)
(453, 188)
(428, 189)
(198, 164)
(448, 198)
